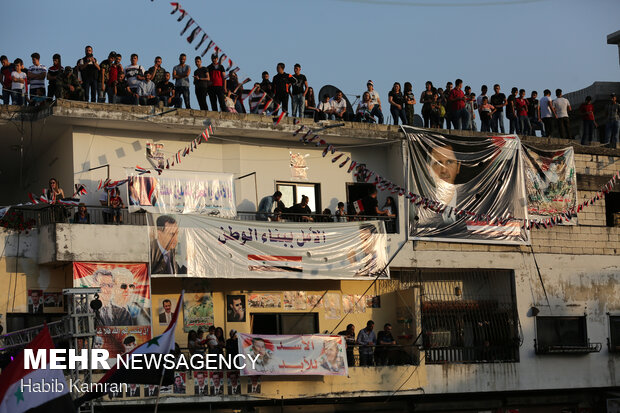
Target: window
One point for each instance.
(468, 316)
(614, 334)
(563, 335)
(292, 192)
(612, 209)
(289, 323)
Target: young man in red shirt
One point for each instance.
(587, 114)
(521, 105)
(217, 90)
(456, 100)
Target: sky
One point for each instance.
(530, 44)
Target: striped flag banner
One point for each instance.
(275, 263)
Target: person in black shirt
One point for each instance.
(166, 92)
(267, 87)
(217, 87)
(371, 205)
(122, 93)
(511, 111)
(281, 83)
(298, 92)
(533, 110)
(201, 84)
(302, 208)
(89, 69)
(498, 100)
(384, 340)
(349, 336)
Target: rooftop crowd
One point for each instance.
(455, 106)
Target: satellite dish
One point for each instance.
(332, 91)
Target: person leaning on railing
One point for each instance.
(81, 216)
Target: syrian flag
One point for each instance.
(32, 198)
(161, 344)
(274, 263)
(359, 206)
(17, 398)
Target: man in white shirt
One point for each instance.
(483, 93)
(561, 106)
(325, 110)
(376, 101)
(134, 73)
(36, 75)
(547, 112)
(339, 106)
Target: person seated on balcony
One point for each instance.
(212, 341)
(81, 216)
(327, 215)
(367, 341)
(54, 192)
(384, 341)
(341, 214)
(392, 211)
(301, 210)
(268, 205)
(349, 336)
(325, 110)
(117, 205)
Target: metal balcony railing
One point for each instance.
(476, 354)
(52, 214)
(567, 349)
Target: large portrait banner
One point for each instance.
(182, 192)
(305, 355)
(551, 183)
(466, 178)
(202, 246)
(124, 320)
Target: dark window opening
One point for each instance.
(614, 334)
(289, 323)
(22, 321)
(563, 335)
(469, 316)
(612, 209)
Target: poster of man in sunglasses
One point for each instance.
(125, 301)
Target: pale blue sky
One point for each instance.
(529, 44)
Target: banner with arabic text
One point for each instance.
(182, 192)
(303, 355)
(551, 183)
(200, 246)
(471, 189)
(124, 320)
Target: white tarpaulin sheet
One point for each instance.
(202, 246)
(182, 192)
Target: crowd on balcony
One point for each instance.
(455, 106)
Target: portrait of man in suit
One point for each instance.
(35, 302)
(217, 387)
(133, 390)
(200, 383)
(254, 385)
(234, 385)
(163, 247)
(109, 314)
(166, 315)
(151, 390)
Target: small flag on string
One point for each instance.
(182, 16)
(204, 37)
(141, 170)
(343, 163)
(211, 43)
(351, 166)
(299, 130)
(193, 35)
(175, 7)
(278, 119)
(335, 158)
(189, 23)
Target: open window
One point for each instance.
(614, 334)
(563, 334)
(293, 191)
(285, 323)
